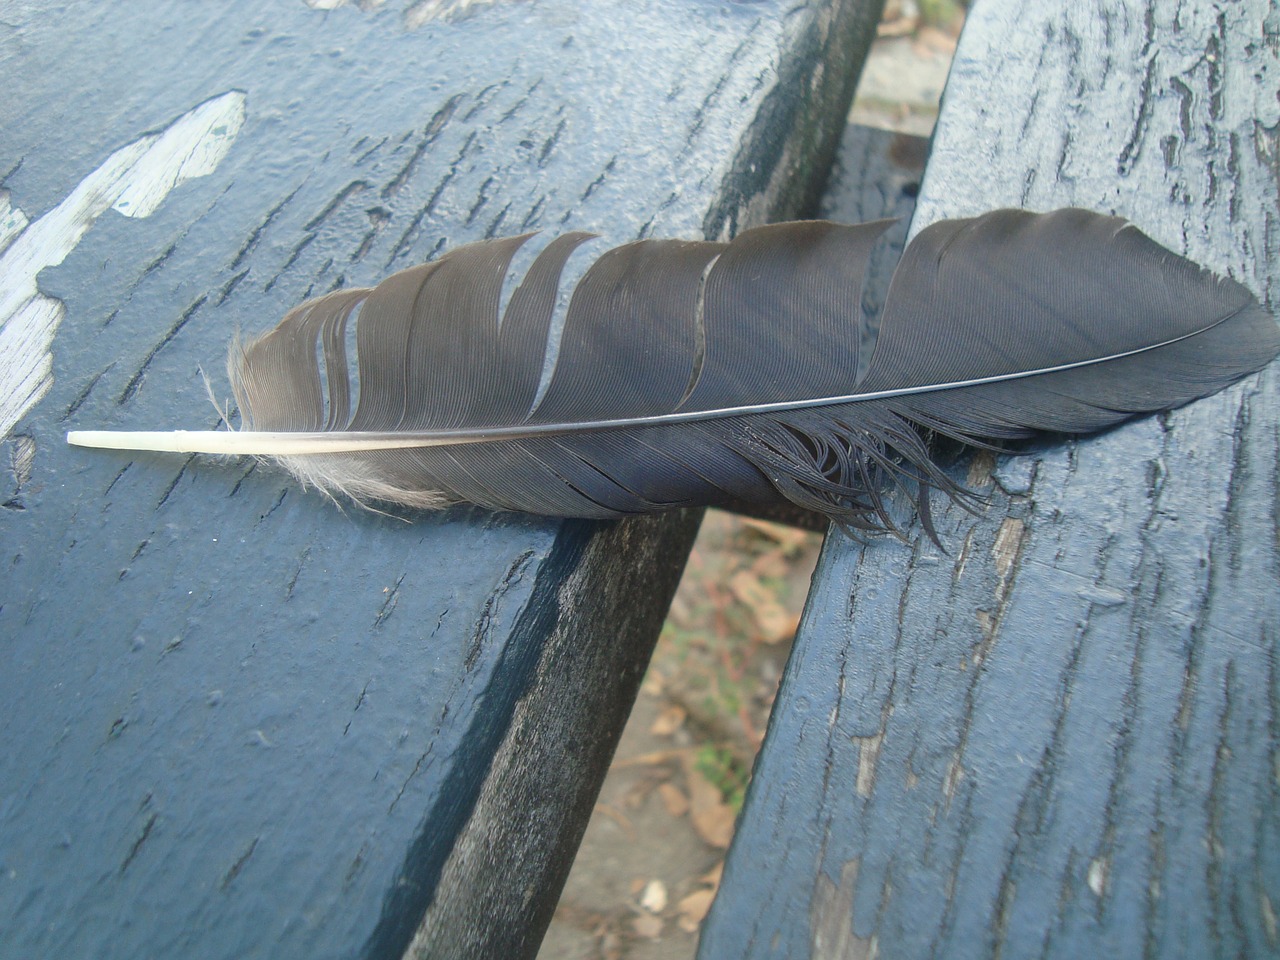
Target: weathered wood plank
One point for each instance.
(241, 723)
(1060, 737)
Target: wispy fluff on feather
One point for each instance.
(726, 373)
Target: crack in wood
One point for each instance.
(297, 572)
(230, 286)
(142, 838)
(495, 225)
(248, 246)
(135, 382)
(156, 263)
(352, 189)
(239, 865)
(389, 604)
(1138, 134)
(300, 246)
(550, 143)
(273, 508)
(243, 477)
(173, 484)
(359, 145)
(483, 98)
(482, 197)
(599, 181)
(406, 238)
(356, 708)
(480, 634)
(356, 864)
(531, 218)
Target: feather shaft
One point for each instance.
(294, 443)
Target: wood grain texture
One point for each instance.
(1060, 737)
(240, 722)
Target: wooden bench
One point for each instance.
(240, 722)
(1059, 737)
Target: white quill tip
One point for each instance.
(169, 441)
(245, 442)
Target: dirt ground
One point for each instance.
(650, 862)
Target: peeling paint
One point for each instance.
(868, 755)
(831, 918)
(424, 11)
(951, 779)
(132, 181)
(1005, 552)
(981, 467)
(1268, 918)
(1007, 546)
(1097, 878)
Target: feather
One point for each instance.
(700, 373)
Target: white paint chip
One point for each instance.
(192, 146)
(868, 754)
(133, 181)
(1097, 878)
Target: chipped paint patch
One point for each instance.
(1007, 546)
(962, 557)
(132, 181)
(831, 918)
(424, 11)
(335, 4)
(980, 469)
(190, 147)
(1268, 918)
(868, 755)
(951, 779)
(1005, 551)
(1099, 868)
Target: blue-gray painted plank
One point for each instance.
(239, 722)
(1060, 737)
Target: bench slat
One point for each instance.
(239, 722)
(1058, 738)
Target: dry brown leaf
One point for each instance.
(747, 587)
(670, 719)
(902, 27)
(790, 537)
(634, 798)
(647, 926)
(933, 40)
(652, 758)
(773, 564)
(673, 799)
(711, 817)
(693, 909)
(618, 817)
(776, 623)
(771, 617)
